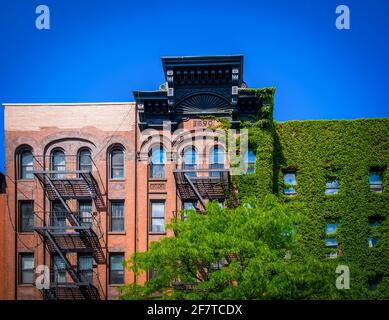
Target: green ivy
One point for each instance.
(322, 151)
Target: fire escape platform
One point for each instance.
(73, 239)
(72, 291)
(75, 184)
(211, 184)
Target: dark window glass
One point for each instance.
(157, 162)
(58, 163)
(85, 268)
(27, 268)
(117, 163)
(58, 214)
(157, 217)
(116, 270)
(85, 212)
(26, 216)
(59, 269)
(26, 165)
(85, 160)
(117, 216)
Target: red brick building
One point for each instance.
(89, 184)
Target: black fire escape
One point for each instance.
(68, 232)
(202, 184)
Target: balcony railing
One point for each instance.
(62, 221)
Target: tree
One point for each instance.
(250, 252)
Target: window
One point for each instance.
(58, 214)
(216, 160)
(157, 223)
(85, 212)
(84, 160)
(157, 162)
(26, 216)
(85, 268)
(152, 274)
(374, 224)
(117, 216)
(249, 159)
(332, 187)
(26, 165)
(190, 160)
(116, 270)
(330, 242)
(374, 282)
(188, 205)
(117, 163)
(290, 183)
(375, 181)
(27, 269)
(58, 163)
(59, 269)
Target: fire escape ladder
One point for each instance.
(195, 190)
(68, 266)
(72, 219)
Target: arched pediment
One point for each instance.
(203, 103)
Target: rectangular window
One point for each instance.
(157, 171)
(290, 183)
(332, 187)
(26, 216)
(117, 216)
(187, 205)
(59, 269)
(330, 242)
(116, 270)
(26, 268)
(117, 164)
(375, 181)
(58, 214)
(85, 268)
(85, 212)
(157, 223)
(374, 224)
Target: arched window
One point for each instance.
(84, 160)
(157, 162)
(58, 163)
(117, 163)
(26, 164)
(249, 159)
(216, 160)
(190, 160)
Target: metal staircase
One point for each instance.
(69, 233)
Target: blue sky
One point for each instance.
(102, 50)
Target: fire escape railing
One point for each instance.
(69, 232)
(202, 184)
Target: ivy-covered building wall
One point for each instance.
(338, 154)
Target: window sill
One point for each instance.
(117, 233)
(26, 180)
(157, 233)
(26, 233)
(117, 180)
(158, 179)
(26, 285)
(115, 285)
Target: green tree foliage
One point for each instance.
(250, 252)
